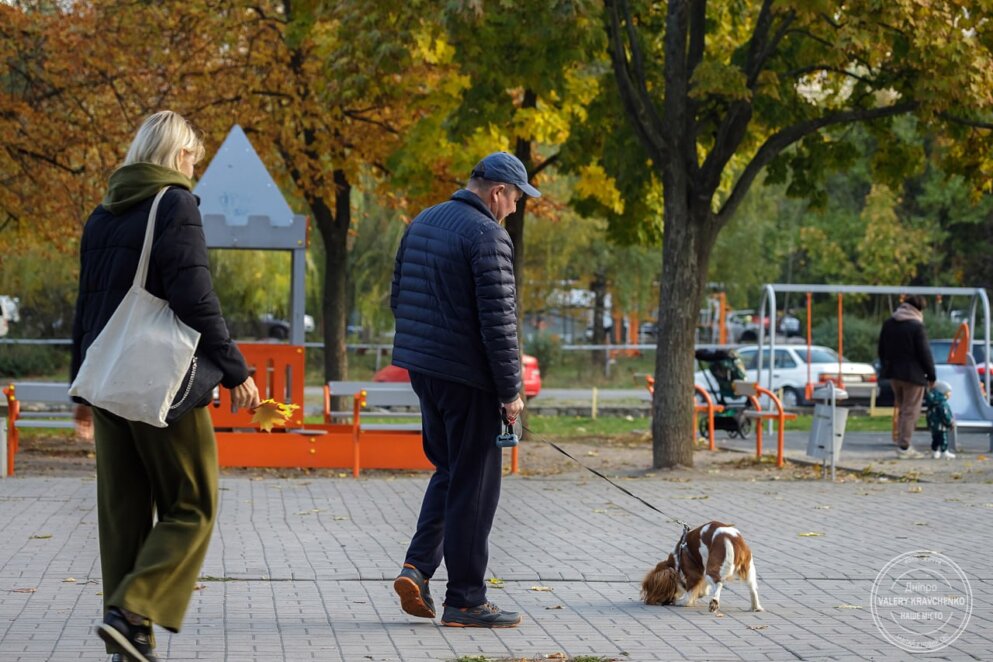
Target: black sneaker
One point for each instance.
(133, 642)
(486, 615)
(415, 597)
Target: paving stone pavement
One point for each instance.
(302, 569)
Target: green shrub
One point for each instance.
(939, 326)
(34, 361)
(547, 348)
(861, 337)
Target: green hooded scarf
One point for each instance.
(134, 183)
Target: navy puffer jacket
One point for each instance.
(178, 272)
(454, 298)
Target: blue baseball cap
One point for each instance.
(507, 169)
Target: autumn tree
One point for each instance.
(717, 93)
(323, 90)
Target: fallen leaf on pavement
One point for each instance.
(541, 588)
(69, 580)
(495, 582)
(554, 607)
(23, 590)
(916, 489)
(846, 606)
(757, 627)
(41, 536)
(811, 534)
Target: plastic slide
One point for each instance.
(971, 409)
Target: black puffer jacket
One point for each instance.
(178, 272)
(454, 298)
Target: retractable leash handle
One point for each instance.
(507, 438)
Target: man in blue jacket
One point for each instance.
(454, 300)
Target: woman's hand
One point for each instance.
(245, 395)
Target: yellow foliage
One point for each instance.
(594, 182)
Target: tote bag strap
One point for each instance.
(146, 247)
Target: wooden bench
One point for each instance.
(35, 405)
(753, 392)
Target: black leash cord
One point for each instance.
(597, 473)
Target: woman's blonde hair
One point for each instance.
(160, 139)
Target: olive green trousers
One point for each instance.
(156, 506)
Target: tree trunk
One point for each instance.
(334, 234)
(515, 228)
(685, 254)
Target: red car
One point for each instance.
(532, 375)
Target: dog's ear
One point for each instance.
(670, 561)
(659, 586)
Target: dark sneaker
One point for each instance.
(133, 642)
(486, 615)
(415, 597)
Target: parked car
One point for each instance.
(743, 326)
(279, 329)
(9, 313)
(529, 366)
(789, 373)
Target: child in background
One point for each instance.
(939, 419)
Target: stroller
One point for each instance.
(724, 367)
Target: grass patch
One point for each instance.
(564, 426)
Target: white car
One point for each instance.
(789, 374)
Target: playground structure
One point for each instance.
(978, 298)
(969, 402)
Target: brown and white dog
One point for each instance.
(703, 560)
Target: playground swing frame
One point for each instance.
(977, 294)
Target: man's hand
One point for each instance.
(245, 395)
(513, 409)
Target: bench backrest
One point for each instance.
(47, 392)
(376, 397)
(348, 389)
(378, 394)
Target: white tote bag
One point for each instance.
(135, 366)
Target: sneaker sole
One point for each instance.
(411, 600)
(456, 624)
(113, 637)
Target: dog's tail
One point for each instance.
(743, 562)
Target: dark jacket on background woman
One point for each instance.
(904, 351)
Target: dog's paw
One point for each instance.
(758, 608)
(714, 605)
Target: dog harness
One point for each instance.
(680, 546)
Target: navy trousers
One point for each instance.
(460, 425)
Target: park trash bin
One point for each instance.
(827, 431)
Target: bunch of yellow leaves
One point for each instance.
(270, 413)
